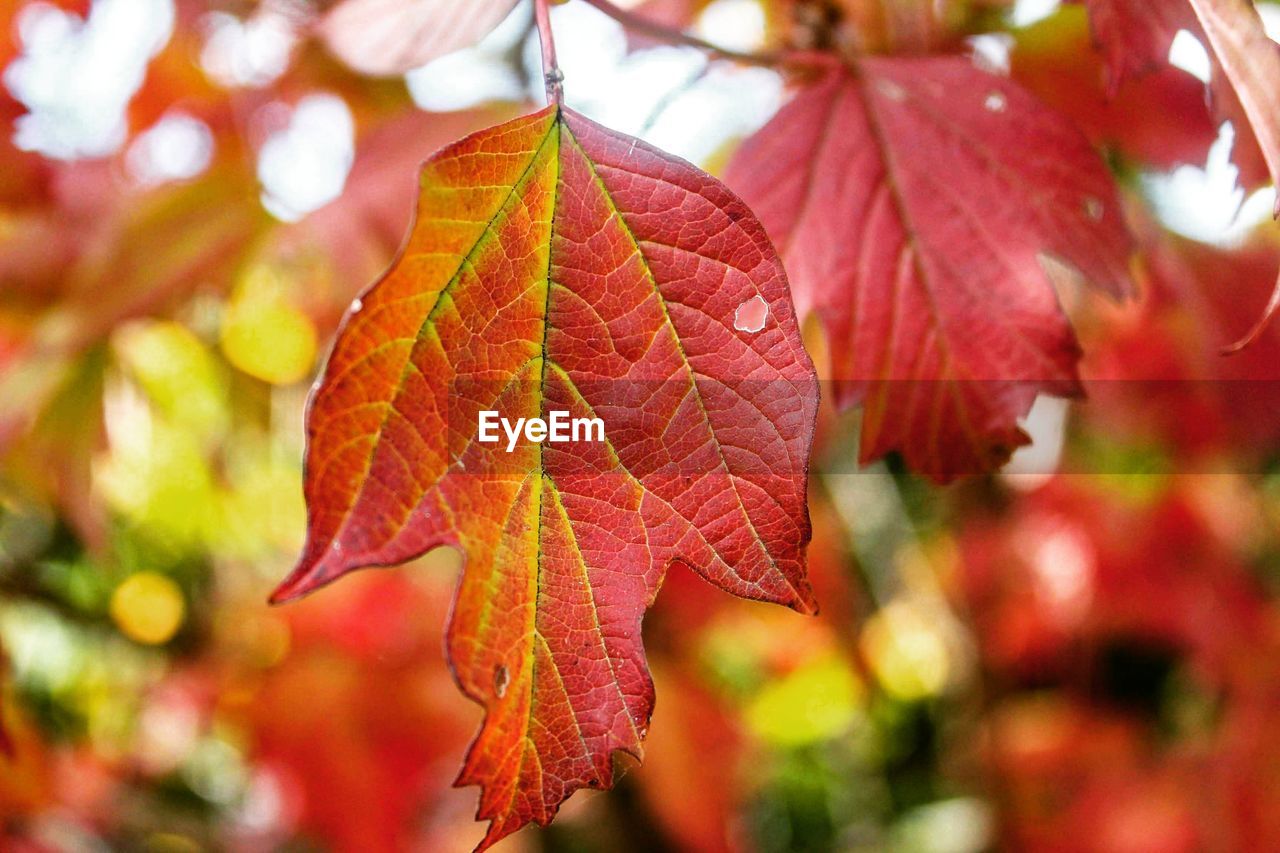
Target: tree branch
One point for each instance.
(644, 26)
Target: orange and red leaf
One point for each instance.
(558, 266)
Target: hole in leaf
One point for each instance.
(996, 102)
(751, 315)
(501, 678)
(357, 305)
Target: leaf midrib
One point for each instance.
(485, 235)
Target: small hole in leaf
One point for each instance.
(501, 678)
(751, 315)
(356, 306)
(1093, 208)
(996, 102)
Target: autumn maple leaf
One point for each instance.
(915, 201)
(558, 266)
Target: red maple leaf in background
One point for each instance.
(914, 202)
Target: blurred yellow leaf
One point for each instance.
(178, 374)
(815, 702)
(156, 475)
(264, 335)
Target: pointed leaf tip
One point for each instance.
(288, 590)
(297, 584)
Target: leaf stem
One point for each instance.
(552, 76)
(1251, 337)
(640, 24)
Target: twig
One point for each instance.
(670, 98)
(640, 24)
(551, 73)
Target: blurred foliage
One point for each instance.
(1052, 661)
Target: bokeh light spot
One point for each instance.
(148, 608)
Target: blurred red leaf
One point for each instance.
(1081, 566)
(365, 678)
(26, 783)
(1250, 62)
(1076, 564)
(1135, 37)
(689, 762)
(165, 246)
(1160, 119)
(1154, 372)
